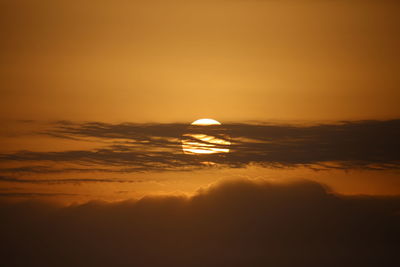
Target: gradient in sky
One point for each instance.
(176, 61)
(97, 101)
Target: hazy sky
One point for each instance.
(176, 61)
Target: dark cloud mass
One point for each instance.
(130, 147)
(237, 223)
(371, 144)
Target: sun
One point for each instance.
(206, 122)
(205, 136)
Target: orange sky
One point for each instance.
(101, 164)
(169, 61)
(177, 61)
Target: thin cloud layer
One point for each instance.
(237, 223)
(128, 148)
(69, 180)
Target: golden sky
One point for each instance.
(175, 61)
(210, 133)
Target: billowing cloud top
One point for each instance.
(238, 223)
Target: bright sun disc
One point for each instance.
(205, 140)
(206, 122)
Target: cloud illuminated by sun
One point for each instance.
(203, 143)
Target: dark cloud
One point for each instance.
(239, 223)
(71, 180)
(132, 147)
(373, 144)
(366, 144)
(130, 131)
(34, 194)
(37, 169)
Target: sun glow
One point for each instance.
(203, 140)
(206, 122)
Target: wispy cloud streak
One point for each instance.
(70, 180)
(133, 147)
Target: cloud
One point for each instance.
(34, 194)
(130, 147)
(372, 144)
(237, 223)
(70, 180)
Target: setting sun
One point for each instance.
(206, 122)
(200, 141)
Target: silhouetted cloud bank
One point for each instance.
(237, 223)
